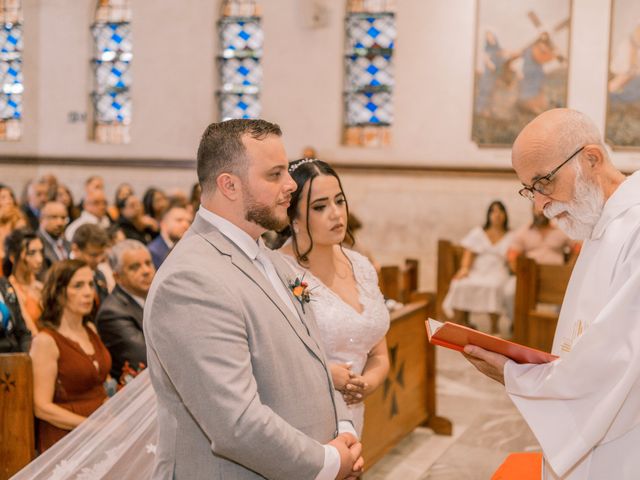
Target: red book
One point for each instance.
(456, 337)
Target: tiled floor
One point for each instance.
(486, 428)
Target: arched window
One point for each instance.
(11, 85)
(371, 34)
(112, 55)
(241, 39)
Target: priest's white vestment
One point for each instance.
(584, 408)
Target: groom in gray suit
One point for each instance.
(243, 387)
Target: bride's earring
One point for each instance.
(295, 228)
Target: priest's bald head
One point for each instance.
(565, 169)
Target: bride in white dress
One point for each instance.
(118, 441)
(343, 285)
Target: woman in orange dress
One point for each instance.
(70, 362)
(22, 263)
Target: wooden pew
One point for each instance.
(538, 284)
(16, 413)
(401, 283)
(449, 258)
(407, 399)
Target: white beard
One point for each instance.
(582, 213)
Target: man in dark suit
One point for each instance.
(175, 222)
(119, 319)
(36, 196)
(53, 220)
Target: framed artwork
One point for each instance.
(623, 87)
(521, 65)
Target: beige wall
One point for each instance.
(174, 79)
(173, 92)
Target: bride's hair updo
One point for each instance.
(303, 171)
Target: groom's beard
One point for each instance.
(583, 213)
(263, 215)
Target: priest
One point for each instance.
(584, 407)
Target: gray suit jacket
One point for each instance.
(242, 383)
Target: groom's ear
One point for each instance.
(228, 185)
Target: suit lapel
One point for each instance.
(246, 266)
(136, 311)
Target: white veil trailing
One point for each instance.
(117, 441)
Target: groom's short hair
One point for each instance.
(221, 149)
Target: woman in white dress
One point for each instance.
(342, 284)
(478, 286)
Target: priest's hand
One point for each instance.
(490, 363)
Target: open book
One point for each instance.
(454, 336)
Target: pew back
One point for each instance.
(16, 413)
(449, 258)
(538, 285)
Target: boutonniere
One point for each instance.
(300, 290)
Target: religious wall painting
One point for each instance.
(369, 75)
(521, 65)
(622, 128)
(11, 80)
(111, 62)
(239, 63)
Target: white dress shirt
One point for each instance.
(85, 217)
(252, 248)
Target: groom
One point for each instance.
(243, 387)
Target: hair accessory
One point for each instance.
(294, 167)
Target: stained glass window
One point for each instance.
(112, 56)
(369, 79)
(241, 39)
(11, 83)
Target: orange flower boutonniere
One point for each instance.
(300, 290)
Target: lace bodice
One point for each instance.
(348, 336)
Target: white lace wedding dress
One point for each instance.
(348, 336)
(118, 440)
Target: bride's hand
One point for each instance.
(340, 373)
(355, 390)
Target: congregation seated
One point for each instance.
(70, 362)
(15, 337)
(478, 286)
(542, 242)
(133, 222)
(155, 203)
(64, 196)
(94, 212)
(173, 225)
(23, 259)
(122, 192)
(53, 221)
(89, 244)
(119, 318)
(11, 217)
(37, 194)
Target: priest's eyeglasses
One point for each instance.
(544, 185)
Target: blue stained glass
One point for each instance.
(244, 35)
(375, 83)
(243, 70)
(374, 119)
(372, 69)
(373, 32)
(372, 106)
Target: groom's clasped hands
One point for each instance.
(351, 461)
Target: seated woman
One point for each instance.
(478, 286)
(15, 337)
(70, 363)
(22, 263)
(342, 285)
(155, 203)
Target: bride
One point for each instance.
(119, 439)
